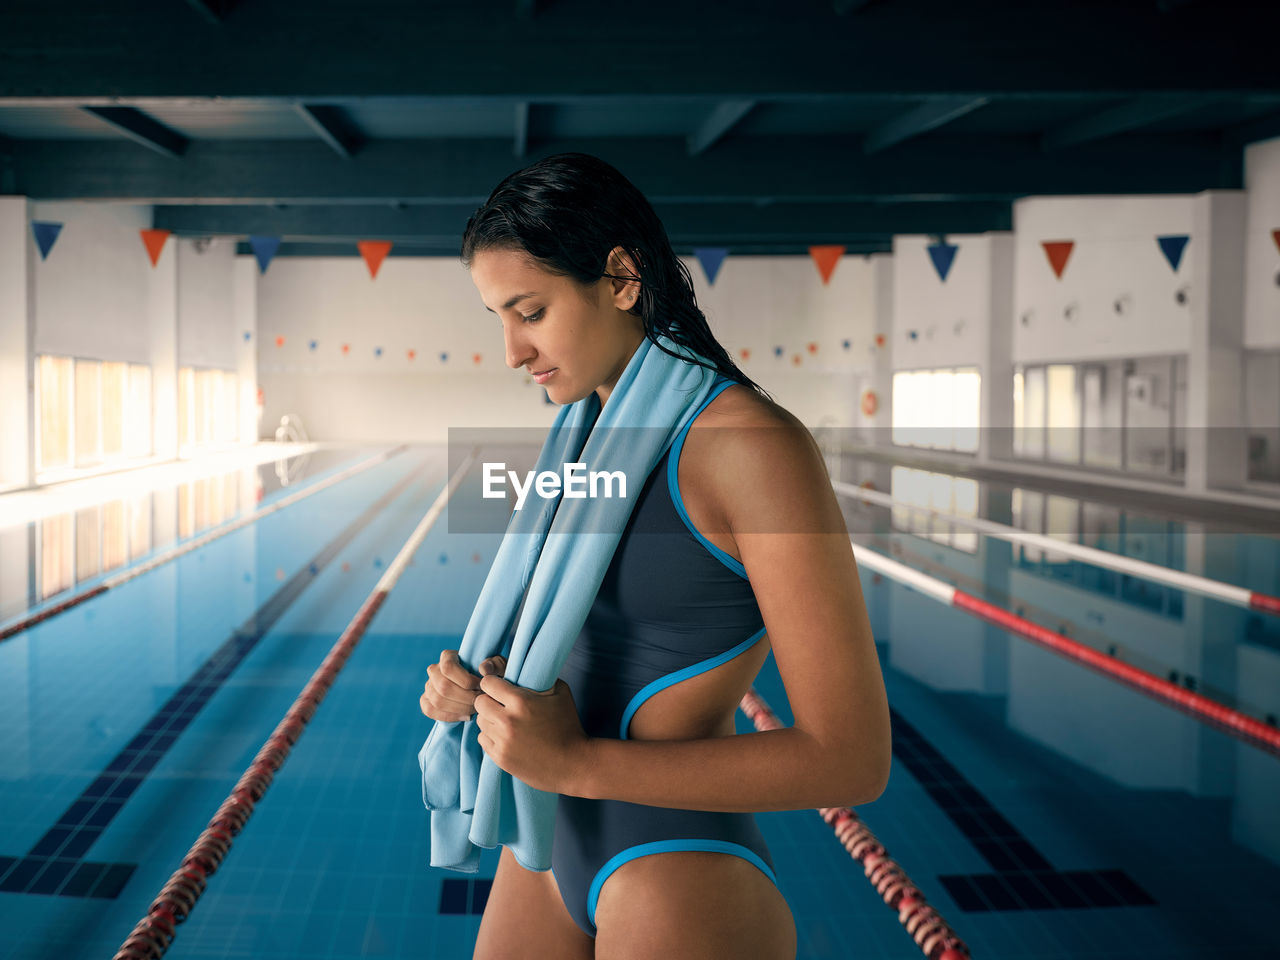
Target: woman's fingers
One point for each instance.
(451, 689)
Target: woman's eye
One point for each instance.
(533, 317)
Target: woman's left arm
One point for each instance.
(775, 496)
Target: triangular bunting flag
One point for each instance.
(1058, 252)
(1275, 235)
(826, 259)
(46, 236)
(264, 248)
(374, 252)
(154, 242)
(711, 259)
(1172, 248)
(942, 255)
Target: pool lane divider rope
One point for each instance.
(932, 934)
(152, 934)
(1227, 719)
(126, 575)
(1179, 579)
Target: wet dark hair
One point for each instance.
(567, 213)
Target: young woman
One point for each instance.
(656, 853)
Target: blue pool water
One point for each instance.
(1043, 810)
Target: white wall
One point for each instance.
(92, 291)
(1262, 255)
(431, 306)
(206, 310)
(97, 296)
(1115, 256)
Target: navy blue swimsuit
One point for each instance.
(671, 605)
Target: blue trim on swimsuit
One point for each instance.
(667, 846)
(673, 485)
(649, 689)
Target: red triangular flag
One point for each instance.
(374, 252)
(154, 242)
(826, 259)
(1058, 252)
(1275, 235)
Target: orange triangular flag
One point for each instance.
(374, 252)
(1058, 251)
(154, 242)
(826, 258)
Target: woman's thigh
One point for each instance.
(692, 905)
(525, 917)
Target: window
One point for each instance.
(1063, 411)
(940, 409)
(1148, 415)
(88, 401)
(1103, 413)
(1262, 416)
(53, 437)
(208, 408)
(1117, 415)
(90, 413)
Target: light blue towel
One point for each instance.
(473, 802)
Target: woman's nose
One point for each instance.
(518, 351)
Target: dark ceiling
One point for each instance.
(760, 126)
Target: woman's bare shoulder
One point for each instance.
(748, 422)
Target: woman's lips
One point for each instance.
(544, 377)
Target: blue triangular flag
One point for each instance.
(711, 259)
(46, 236)
(1172, 248)
(942, 255)
(264, 248)
(313, 344)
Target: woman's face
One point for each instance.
(548, 324)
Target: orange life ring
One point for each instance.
(870, 403)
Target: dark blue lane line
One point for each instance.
(1024, 879)
(464, 896)
(54, 865)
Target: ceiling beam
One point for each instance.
(693, 224)
(742, 169)
(333, 126)
(143, 129)
(306, 50)
(212, 11)
(928, 116)
(720, 121)
(1125, 118)
(521, 143)
(450, 249)
(1263, 128)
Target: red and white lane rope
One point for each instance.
(152, 934)
(125, 576)
(1190, 582)
(1231, 721)
(931, 933)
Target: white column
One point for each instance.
(17, 338)
(244, 300)
(1215, 400)
(995, 437)
(162, 309)
(876, 428)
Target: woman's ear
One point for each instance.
(625, 293)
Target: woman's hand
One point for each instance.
(451, 689)
(533, 735)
